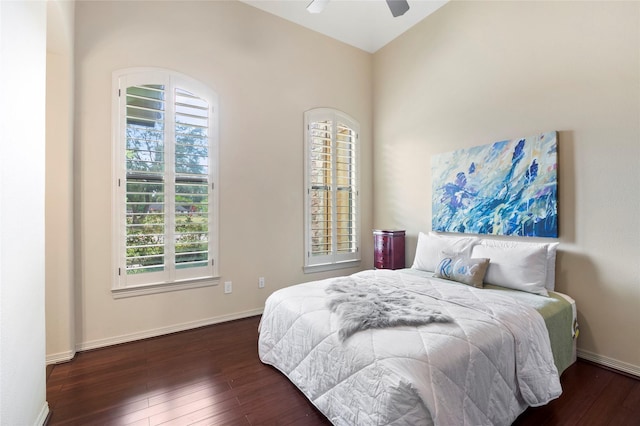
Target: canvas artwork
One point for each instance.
(505, 188)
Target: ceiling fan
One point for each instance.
(397, 7)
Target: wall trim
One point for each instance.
(615, 364)
(42, 416)
(95, 344)
(60, 357)
(126, 338)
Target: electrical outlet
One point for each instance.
(228, 287)
(261, 282)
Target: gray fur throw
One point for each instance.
(361, 305)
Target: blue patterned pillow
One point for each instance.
(461, 268)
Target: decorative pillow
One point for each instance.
(461, 268)
(518, 266)
(431, 245)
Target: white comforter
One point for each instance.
(484, 368)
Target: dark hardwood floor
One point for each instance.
(212, 376)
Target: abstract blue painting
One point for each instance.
(504, 188)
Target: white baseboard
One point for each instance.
(42, 417)
(95, 344)
(60, 357)
(101, 343)
(625, 367)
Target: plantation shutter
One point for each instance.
(166, 181)
(145, 185)
(346, 190)
(332, 208)
(191, 180)
(320, 191)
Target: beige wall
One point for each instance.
(478, 72)
(267, 72)
(59, 236)
(471, 74)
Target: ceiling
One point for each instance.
(365, 24)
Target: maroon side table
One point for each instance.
(388, 249)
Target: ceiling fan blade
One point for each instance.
(398, 7)
(317, 6)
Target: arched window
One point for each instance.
(332, 208)
(165, 169)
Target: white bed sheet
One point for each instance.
(486, 367)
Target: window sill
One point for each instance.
(331, 266)
(142, 290)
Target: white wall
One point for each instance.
(267, 72)
(22, 151)
(478, 72)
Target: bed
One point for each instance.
(445, 352)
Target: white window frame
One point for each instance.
(171, 279)
(333, 260)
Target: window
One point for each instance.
(165, 167)
(332, 213)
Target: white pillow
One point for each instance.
(552, 248)
(550, 282)
(517, 265)
(431, 245)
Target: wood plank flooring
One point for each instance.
(212, 376)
